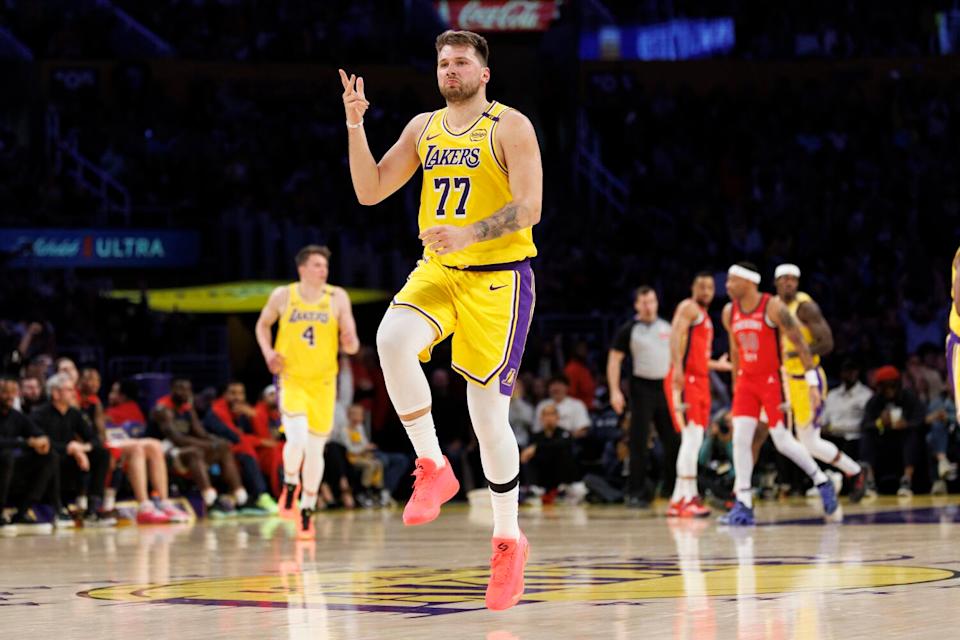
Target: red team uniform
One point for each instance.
(692, 405)
(758, 366)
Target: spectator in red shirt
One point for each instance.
(230, 418)
(266, 426)
(583, 387)
(141, 458)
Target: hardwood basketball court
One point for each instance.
(892, 570)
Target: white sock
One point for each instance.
(146, 505)
(241, 496)
(789, 446)
(109, 499)
(209, 496)
(308, 501)
(82, 503)
(312, 471)
(743, 428)
(423, 436)
(505, 513)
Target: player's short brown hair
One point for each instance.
(465, 38)
(311, 250)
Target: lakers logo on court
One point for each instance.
(431, 592)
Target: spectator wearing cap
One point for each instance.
(893, 422)
(266, 426)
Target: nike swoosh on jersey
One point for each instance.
(433, 136)
(493, 288)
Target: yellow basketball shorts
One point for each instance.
(487, 309)
(314, 399)
(798, 394)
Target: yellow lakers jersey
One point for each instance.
(464, 180)
(308, 337)
(954, 316)
(794, 366)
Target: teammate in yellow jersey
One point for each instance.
(819, 338)
(481, 195)
(953, 333)
(316, 321)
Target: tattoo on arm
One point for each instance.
(500, 223)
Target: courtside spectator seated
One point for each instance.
(230, 418)
(141, 458)
(27, 464)
(84, 461)
(193, 452)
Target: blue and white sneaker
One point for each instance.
(829, 497)
(740, 516)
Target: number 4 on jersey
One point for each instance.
(307, 335)
(459, 184)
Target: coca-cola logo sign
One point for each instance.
(497, 15)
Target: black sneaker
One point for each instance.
(858, 486)
(64, 519)
(221, 509)
(99, 519)
(305, 527)
(27, 521)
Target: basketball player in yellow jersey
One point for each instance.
(819, 338)
(316, 321)
(481, 195)
(953, 335)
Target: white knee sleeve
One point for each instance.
(295, 429)
(489, 412)
(401, 337)
(789, 446)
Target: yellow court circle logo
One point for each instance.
(431, 591)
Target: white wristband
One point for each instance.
(812, 377)
(354, 126)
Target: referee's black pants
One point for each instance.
(648, 404)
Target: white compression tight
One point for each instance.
(826, 451)
(312, 470)
(783, 440)
(691, 440)
(295, 428)
(499, 454)
(789, 446)
(743, 429)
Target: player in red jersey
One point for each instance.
(754, 321)
(687, 387)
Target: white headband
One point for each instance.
(743, 272)
(787, 270)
